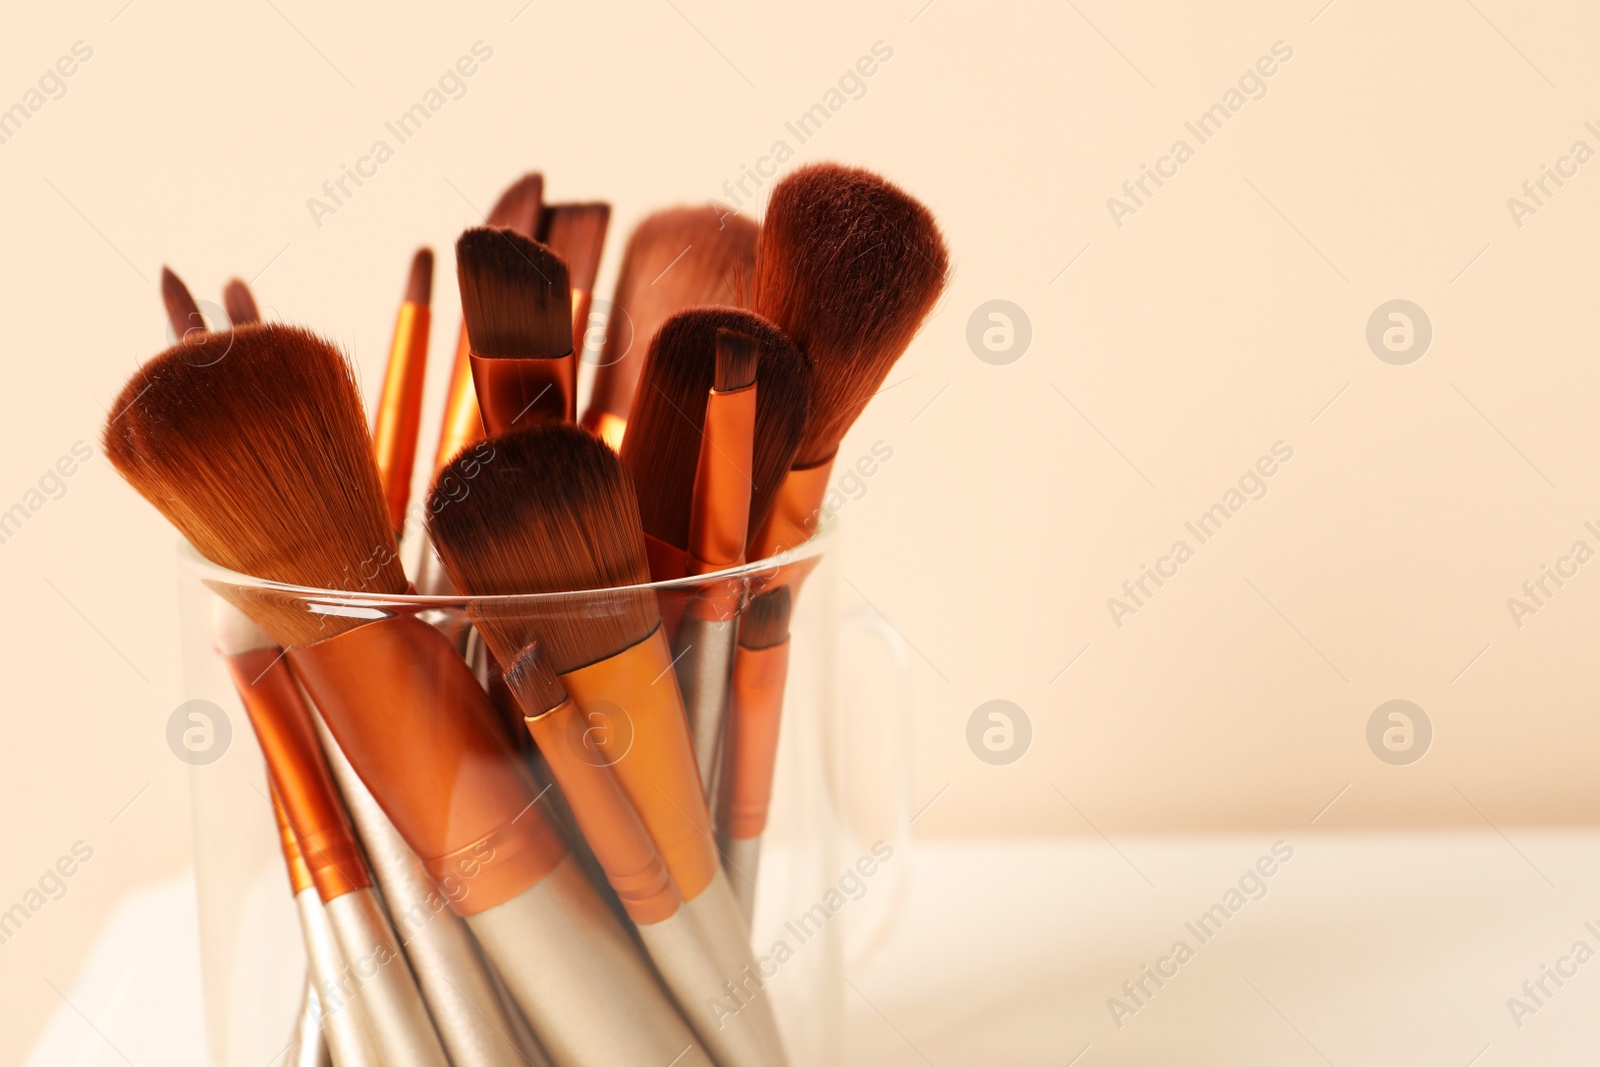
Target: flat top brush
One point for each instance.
(677, 258)
(263, 461)
(849, 266)
(667, 423)
(518, 209)
(517, 306)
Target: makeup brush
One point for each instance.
(849, 266)
(263, 462)
(518, 209)
(341, 1019)
(385, 987)
(517, 307)
(307, 1046)
(668, 421)
(677, 258)
(760, 668)
(577, 234)
(624, 850)
(239, 303)
(183, 314)
(394, 431)
(557, 513)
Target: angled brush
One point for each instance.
(577, 233)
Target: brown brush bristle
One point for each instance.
(419, 285)
(533, 682)
(679, 258)
(765, 621)
(183, 314)
(519, 206)
(577, 233)
(514, 296)
(553, 511)
(849, 266)
(239, 303)
(662, 446)
(738, 355)
(253, 443)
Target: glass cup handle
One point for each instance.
(873, 732)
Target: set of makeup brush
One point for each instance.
(532, 833)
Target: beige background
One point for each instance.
(1168, 353)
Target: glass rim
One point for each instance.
(191, 562)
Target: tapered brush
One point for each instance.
(240, 303)
(849, 266)
(678, 258)
(394, 430)
(760, 669)
(518, 210)
(262, 460)
(577, 233)
(183, 314)
(557, 513)
(668, 420)
(517, 306)
(389, 997)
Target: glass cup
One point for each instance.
(833, 858)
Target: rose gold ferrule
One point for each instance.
(582, 300)
(606, 426)
(516, 393)
(394, 431)
(797, 511)
(461, 424)
(719, 517)
(310, 801)
(299, 874)
(418, 729)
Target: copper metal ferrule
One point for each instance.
(394, 431)
(461, 424)
(299, 874)
(796, 513)
(310, 801)
(515, 393)
(651, 755)
(752, 744)
(418, 729)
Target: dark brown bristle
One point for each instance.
(765, 621)
(239, 303)
(849, 266)
(253, 443)
(553, 511)
(519, 206)
(419, 286)
(577, 233)
(514, 295)
(662, 446)
(738, 355)
(533, 682)
(679, 258)
(183, 314)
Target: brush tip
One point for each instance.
(419, 286)
(520, 205)
(515, 297)
(738, 355)
(534, 683)
(239, 303)
(183, 314)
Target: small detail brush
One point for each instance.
(577, 233)
(239, 303)
(183, 314)
(394, 430)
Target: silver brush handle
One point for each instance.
(691, 973)
(388, 991)
(461, 994)
(341, 1015)
(705, 666)
(715, 914)
(580, 980)
(741, 858)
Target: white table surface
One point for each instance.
(1365, 949)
